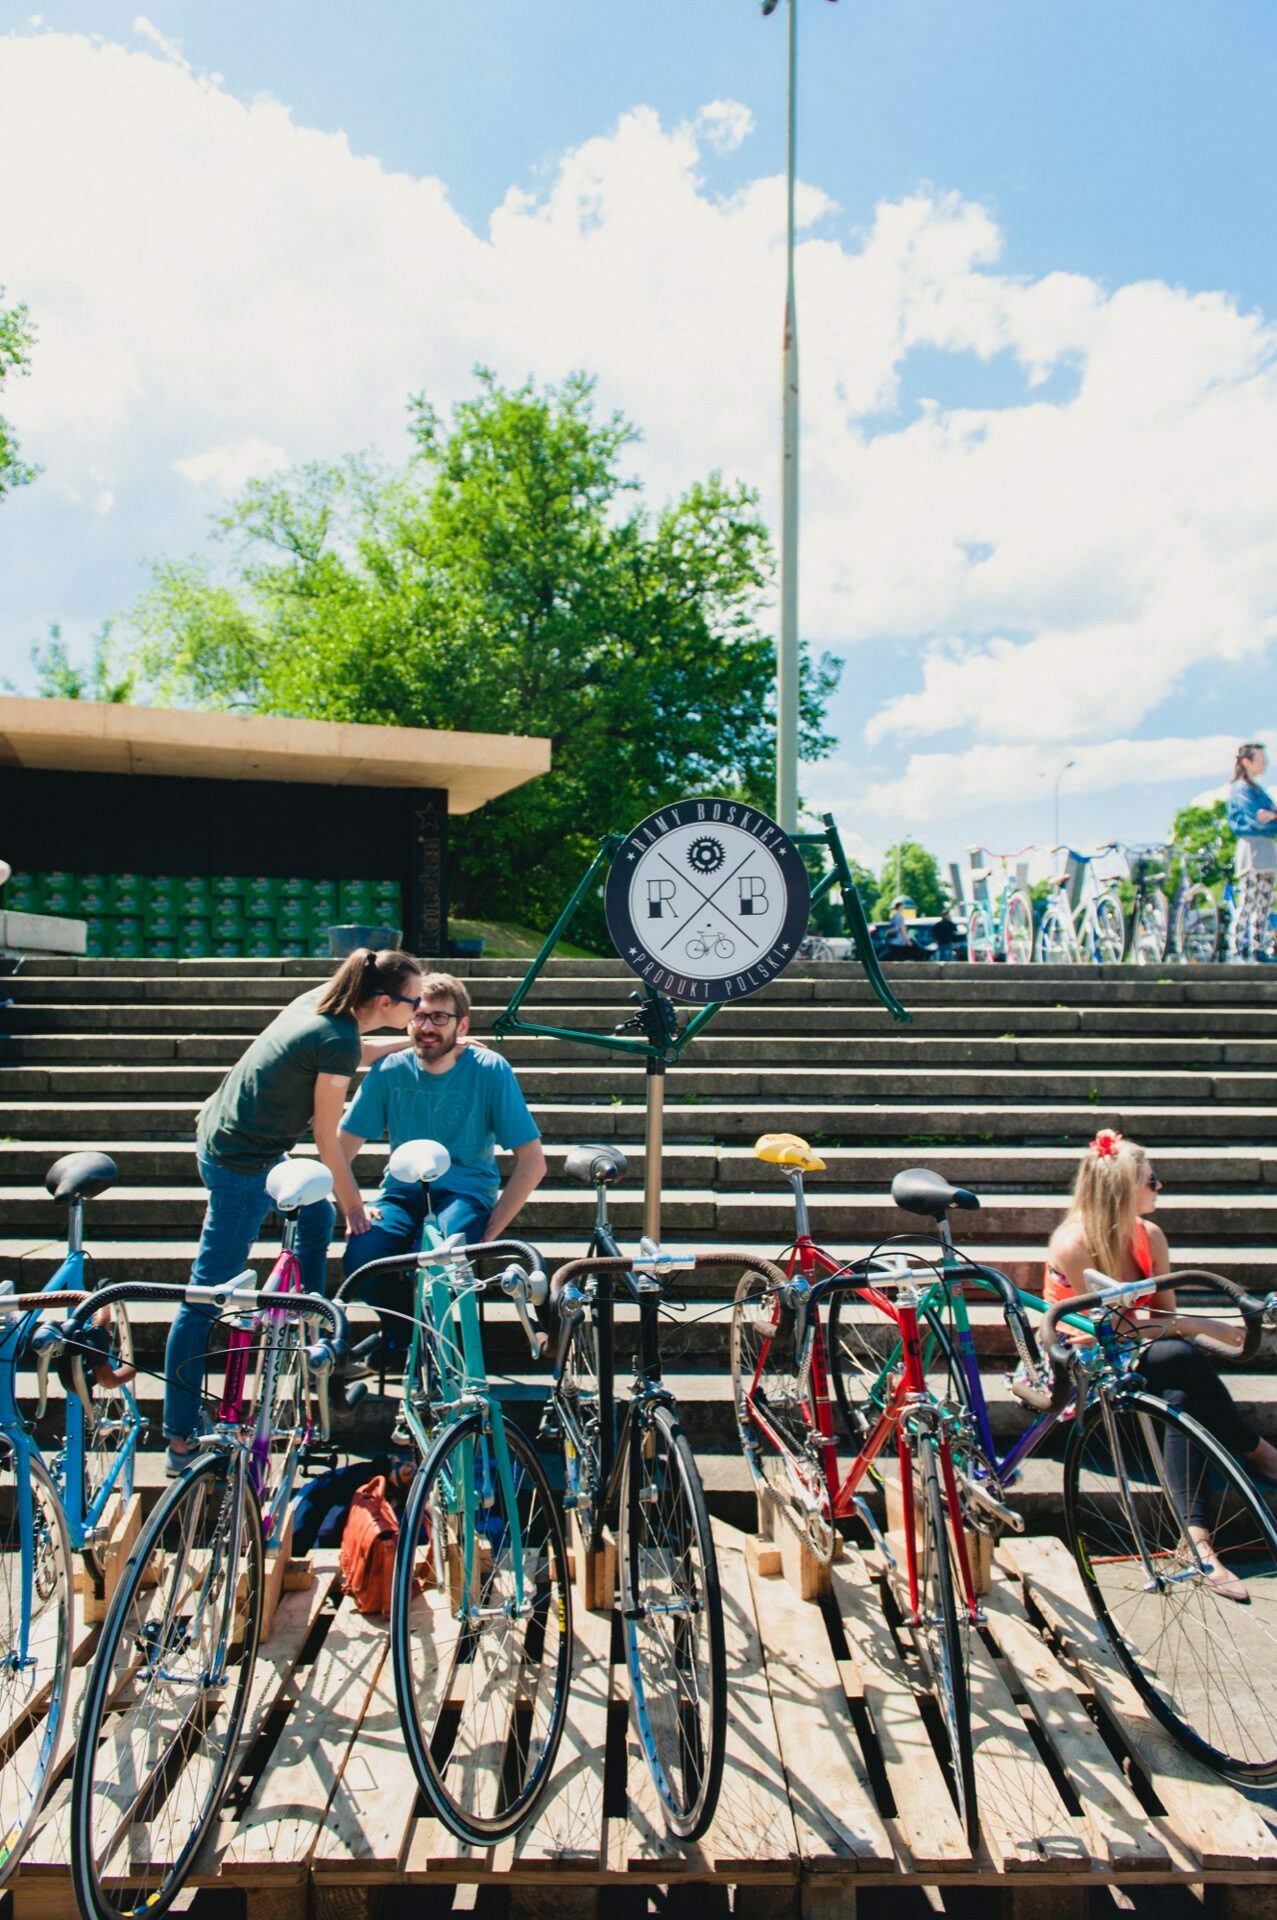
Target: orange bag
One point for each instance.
(368, 1544)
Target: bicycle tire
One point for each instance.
(138, 1725)
(1195, 927)
(980, 947)
(33, 1696)
(776, 1419)
(672, 1612)
(582, 1398)
(818, 949)
(1169, 1636)
(294, 1418)
(1107, 931)
(861, 1366)
(1057, 938)
(110, 1424)
(1149, 931)
(1017, 929)
(943, 1631)
(483, 1775)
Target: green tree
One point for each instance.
(909, 869)
(16, 340)
(827, 915)
(1205, 831)
(508, 580)
(104, 676)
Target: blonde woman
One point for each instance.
(1110, 1228)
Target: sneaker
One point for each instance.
(176, 1464)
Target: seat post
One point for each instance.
(802, 1223)
(75, 1226)
(602, 1225)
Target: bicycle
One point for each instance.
(169, 1683)
(1149, 922)
(52, 1509)
(1107, 1403)
(1002, 925)
(671, 1603)
(480, 1620)
(1094, 931)
(1195, 919)
(780, 1392)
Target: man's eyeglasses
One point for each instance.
(436, 1020)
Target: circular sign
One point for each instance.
(707, 900)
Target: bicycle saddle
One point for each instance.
(416, 1160)
(918, 1190)
(595, 1166)
(298, 1183)
(787, 1150)
(78, 1176)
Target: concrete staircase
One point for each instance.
(998, 1083)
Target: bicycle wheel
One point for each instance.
(1195, 927)
(481, 1677)
(1057, 938)
(100, 1380)
(775, 1415)
(943, 1631)
(167, 1694)
(864, 1353)
(818, 949)
(1104, 932)
(980, 936)
(1150, 930)
(295, 1418)
(673, 1615)
(1139, 1480)
(1017, 928)
(35, 1644)
(581, 1398)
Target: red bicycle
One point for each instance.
(785, 1417)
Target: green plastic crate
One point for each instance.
(225, 886)
(196, 894)
(355, 899)
(163, 891)
(161, 924)
(324, 895)
(125, 946)
(161, 949)
(260, 946)
(126, 892)
(59, 892)
(228, 949)
(95, 946)
(259, 895)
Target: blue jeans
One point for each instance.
(399, 1231)
(237, 1205)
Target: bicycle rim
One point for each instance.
(110, 1423)
(1017, 930)
(293, 1421)
(1108, 937)
(943, 1631)
(1195, 938)
(481, 1669)
(1135, 1486)
(167, 1695)
(578, 1395)
(1150, 930)
(673, 1616)
(775, 1418)
(1057, 941)
(35, 1648)
(979, 936)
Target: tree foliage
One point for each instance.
(103, 676)
(17, 337)
(1205, 830)
(508, 580)
(909, 869)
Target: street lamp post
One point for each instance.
(1059, 776)
(787, 678)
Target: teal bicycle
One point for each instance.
(1000, 925)
(480, 1620)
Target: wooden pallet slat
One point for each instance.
(568, 1828)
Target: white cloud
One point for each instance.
(171, 49)
(725, 124)
(231, 465)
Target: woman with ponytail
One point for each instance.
(1110, 1228)
(295, 1076)
(1253, 818)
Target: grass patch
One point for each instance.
(501, 941)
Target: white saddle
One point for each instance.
(298, 1183)
(415, 1160)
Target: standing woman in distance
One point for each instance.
(1252, 815)
(295, 1075)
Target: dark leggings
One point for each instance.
(1182, 1375)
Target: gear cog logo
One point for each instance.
(706, 854)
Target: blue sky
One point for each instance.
(1037, 294)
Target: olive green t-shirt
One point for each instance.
(265, 1103)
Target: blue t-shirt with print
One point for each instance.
(472, 1109)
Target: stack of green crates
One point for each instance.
(130, 916)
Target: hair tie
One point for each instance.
(1106, 1143)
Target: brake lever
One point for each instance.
(516, 1285)
(48, 1344)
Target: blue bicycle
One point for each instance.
(52, 1509)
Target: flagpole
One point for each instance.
(787, 649)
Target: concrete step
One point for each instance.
(725, 1216)
(613, 1080)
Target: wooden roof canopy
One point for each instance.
(89, 736)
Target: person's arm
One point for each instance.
(358, 1222)
(330, 1102)
(526, 1175)
(1162, 1315)
(370, 1051)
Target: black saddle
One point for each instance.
(78, 1176)
(918, 1190)
(595, 1166)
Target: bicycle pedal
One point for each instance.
(318, 1460)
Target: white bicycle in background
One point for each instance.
(1095, 930)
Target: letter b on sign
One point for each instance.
(753, 895)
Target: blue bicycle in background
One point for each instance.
(50, 1509)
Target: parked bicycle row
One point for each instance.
(851, 1380)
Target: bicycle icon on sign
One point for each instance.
(703, 946)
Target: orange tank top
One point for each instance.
(1056, 1287)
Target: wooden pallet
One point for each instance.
(832, 1782)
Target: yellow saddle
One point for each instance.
(787, 1150)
